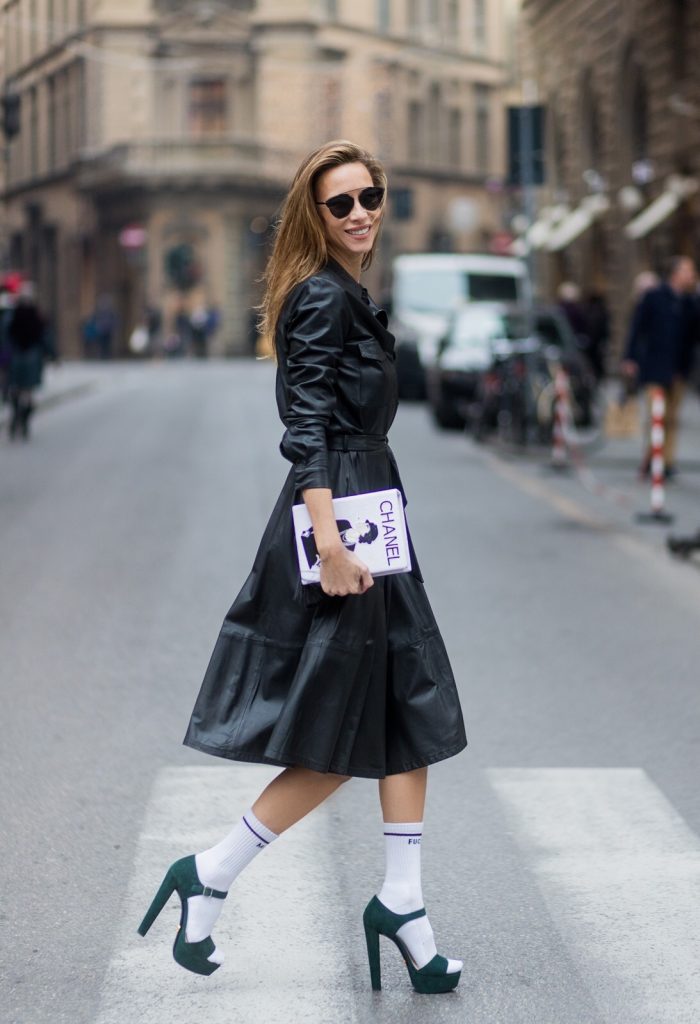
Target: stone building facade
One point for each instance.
(620, 82)
(158, 136)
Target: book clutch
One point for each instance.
(373, 525)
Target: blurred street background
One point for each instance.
(544, 162)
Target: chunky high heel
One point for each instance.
(183, 879)
(429, 979)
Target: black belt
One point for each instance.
(356, 442)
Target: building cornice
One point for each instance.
(38, 182)
(405, 45)
(441, 175)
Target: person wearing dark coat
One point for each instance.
(598, 330)
(663, 334)
(26, 333)
(348, 677)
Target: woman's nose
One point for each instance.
(358, 210)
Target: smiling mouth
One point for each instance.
(360, 232)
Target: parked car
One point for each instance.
(496, 366)
(427, 290)
(476, 337)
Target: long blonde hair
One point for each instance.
(300, 248)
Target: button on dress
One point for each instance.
(358, 685)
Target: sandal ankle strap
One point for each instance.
(196, 889)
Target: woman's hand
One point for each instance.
(342, 573)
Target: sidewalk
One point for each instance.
(616, 465)
(605, 482)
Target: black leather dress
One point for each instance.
(358, 685)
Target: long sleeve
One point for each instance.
(313, 344)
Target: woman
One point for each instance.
(349, 677)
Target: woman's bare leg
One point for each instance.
(292, 794)
(403, 803)
(403, 796)
(287, 799)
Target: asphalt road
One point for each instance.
(561, 858)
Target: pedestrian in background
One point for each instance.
(26, 332)
(349, 677)
(660, 347)
(102, 327)
(644, 282)
(597, 318)
(7, 303)
(570, 304)
(199, 331)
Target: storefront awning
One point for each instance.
(573, 226)
(539, 231)
(677, 190)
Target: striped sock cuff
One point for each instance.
(262, 832)
(403, 828)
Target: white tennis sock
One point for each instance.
(218, 867)
(402, 892)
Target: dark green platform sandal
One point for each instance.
(183, 879)
(430, 979)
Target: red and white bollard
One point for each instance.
(562, 416)
(657, 464)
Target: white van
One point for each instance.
(427, 290)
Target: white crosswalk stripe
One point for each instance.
(286, 960)
(620, 874)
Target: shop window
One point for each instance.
(208, 111)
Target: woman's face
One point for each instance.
(353, 235)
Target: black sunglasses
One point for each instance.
(340, 206)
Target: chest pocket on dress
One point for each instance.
(376, 384)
